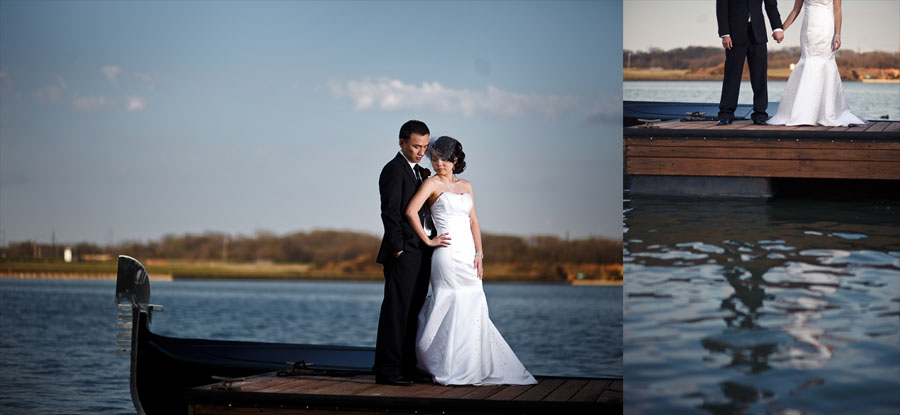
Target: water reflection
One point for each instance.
(739, 307)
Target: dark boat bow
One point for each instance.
(164, 368)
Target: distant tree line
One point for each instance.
(696, 57)
(321, 247)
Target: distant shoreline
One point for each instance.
(711, 74)
(170, 278)
(166, 270)
(654, 74)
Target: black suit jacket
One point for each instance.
(397, 185)
(732, 18)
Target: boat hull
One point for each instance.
(164, 368)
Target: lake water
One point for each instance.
(57, 348)
(789, 306)
(867, 100)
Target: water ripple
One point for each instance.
(55, 364)
(737, 307)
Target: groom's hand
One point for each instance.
(726, 42)
(778, 35)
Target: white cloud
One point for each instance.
(607, 109)
(90, 103)
(391, 94)
(136, 104)
(51, 94)
(146, 79)
(111, 72)
(6, 83)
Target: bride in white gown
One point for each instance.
(456, 342)
(814, 94)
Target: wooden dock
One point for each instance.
(701, 150)
(321, 394)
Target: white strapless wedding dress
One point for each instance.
(456, 341)
(814, 94)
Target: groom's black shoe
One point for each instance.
(418, 377)
(393, 380)
(759, 121)
(723, 121)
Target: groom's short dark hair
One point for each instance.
(413, 127)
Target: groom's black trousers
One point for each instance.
(406, 281)
(734, 70)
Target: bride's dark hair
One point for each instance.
(448, 148)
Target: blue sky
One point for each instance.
(867, 25)
(123, 121)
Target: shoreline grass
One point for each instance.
(715, 73)
(167, 270)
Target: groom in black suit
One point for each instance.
(406, 260)
(743, 32)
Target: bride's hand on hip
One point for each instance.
(440, 240)
(479, 267)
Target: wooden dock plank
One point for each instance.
(255, 384)
(539, 391)
(764, 168)
(294, 384)
(743, 151)
(870, 125)
(346, 388)
(322, 394)
(218, 410)
(750, 143)
(453, 392)
(877, 126)
(783, 127)
(740, 125)
(438, 391)
(766, 153)
(314, 386)
(414, 391)
(425, 390)
(567, 390)
(862, 128)
(510, 392)
(482, 392)
(708, 128)
(592, 391)
(609, 396)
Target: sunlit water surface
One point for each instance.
(870, 101)
(753, 307)
(57, 348)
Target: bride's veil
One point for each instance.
(431, 141)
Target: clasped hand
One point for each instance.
(440, 240)
(778, 35)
